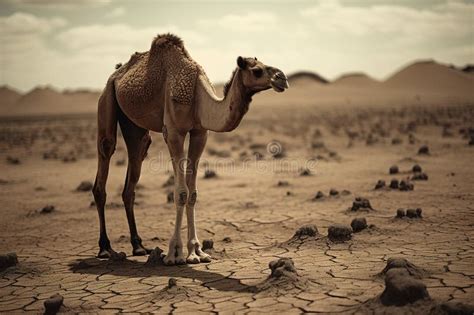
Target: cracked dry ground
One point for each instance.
(244, 203)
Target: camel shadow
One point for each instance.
(137, 269)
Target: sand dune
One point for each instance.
(419, 83)
(355, 80)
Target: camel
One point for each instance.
(166, 91)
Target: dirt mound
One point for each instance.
(430, 75)
(283, 278)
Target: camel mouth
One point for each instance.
(279, 82)
(279, 85)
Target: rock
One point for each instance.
(339, 233)
(416, 168)
(361, 204)
(227, 239)
(208, 174)
(396, 262)
(319, 195)
(305, 172)
(289, 193)
(282, 267)
(47, 209)
(359, 224)
(172, 282)
(170, 197)
(53, 304)
(424, 150)
(85, 186)
(414, 213)
(401, 213)
(13, 160)
(402, 289)
(396, 141)
(306, 230)
(380, 184)
(207, 244)
(452, 308)
(405, 185)
(345, 192)
(8, 260)
(283, 183)
(393, 169)
(155, 257)
(394, 183)
(333, 192)
(419, 176)
(120, 256)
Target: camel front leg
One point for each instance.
(175, 142)
(197, 142)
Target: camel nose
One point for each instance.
(281, 77)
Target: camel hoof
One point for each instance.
(169, 261)
(205, 258)
(141, 251)
(104, 253)
(180, 261)
(193, 259)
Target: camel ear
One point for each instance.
(241, 63)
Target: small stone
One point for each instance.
(402, 289)
(345, 192)
(305, 172)
(361, 204)
(120, 256)
(405, 185)
(397, 262)
(396, 141)
(419, 212)
(283, 183)
(13, 160)
(414, 213)
(170, 197)
(380, 184)
(333, 192)
(172, 282)
(289, 193)
(401, 213)
(393, 169)
(282, 267)
(306, 230)
(47, 209)
(85, 186)
(424, 150)
(359, 224)
(155, 257)
(416, 168)
(227, 239)
(8, 260)
(419, 176)
(319, 195)
(208, 174)
(339, 233)
(53, 304)
(394, 183)
(207, 244)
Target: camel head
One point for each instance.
(257, 76)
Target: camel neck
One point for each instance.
(222, 114)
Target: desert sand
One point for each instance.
(335, 141)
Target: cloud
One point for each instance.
(449, 19)
(251, 21)
(59, 4)
(116, 12)
(21, 23)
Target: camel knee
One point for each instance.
(182, 197)
(106, 147)
(192, 198)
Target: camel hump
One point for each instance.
(163, 40)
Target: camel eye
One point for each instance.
(258, 72)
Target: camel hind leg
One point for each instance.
(137, 140)
(106, 140)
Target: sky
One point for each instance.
(76, 43)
